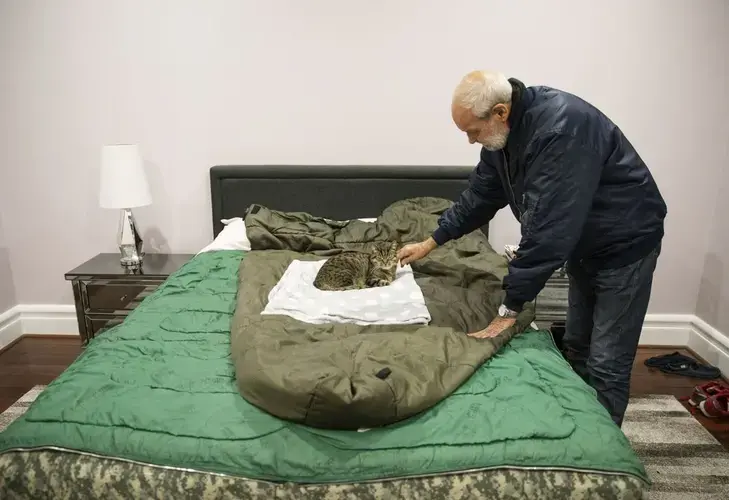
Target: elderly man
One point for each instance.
(583, 196)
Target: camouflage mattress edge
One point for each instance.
(55, 474)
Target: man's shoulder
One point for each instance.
(557, 112)
(558, 99)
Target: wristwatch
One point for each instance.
(505, 312)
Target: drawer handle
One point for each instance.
(122, 298)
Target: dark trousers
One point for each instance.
(604, 320)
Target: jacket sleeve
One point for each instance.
(476, 206)
(562, 178)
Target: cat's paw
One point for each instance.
(382, 282)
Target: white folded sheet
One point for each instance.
(401, 303)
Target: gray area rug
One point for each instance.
(682, 458)
(19, 407)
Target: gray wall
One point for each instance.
(235, 81)
(713, 302)
(7, 287)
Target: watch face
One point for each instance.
(505, 313)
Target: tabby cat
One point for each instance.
(354, 270)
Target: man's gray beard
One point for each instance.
(496, 142)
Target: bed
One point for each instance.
(153, 409)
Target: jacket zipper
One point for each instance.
(511, 189)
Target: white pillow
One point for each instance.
(234, 236)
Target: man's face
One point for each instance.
(491, 132)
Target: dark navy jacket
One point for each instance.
(580, 190)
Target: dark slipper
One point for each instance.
(691, 369)
(675, 357)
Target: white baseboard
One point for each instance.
(48, 319)
(10, 327)
(658, 329)
(25, 319)
(666, 329)
(710, 344)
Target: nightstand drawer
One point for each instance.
(117, 295)
(552, 302)
(96, 325)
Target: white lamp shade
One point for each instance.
(123, 183)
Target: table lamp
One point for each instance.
(123, 186)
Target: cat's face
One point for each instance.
(384, 255)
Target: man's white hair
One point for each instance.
(479, 91)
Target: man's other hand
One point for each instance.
(497, 326)
(415, 251)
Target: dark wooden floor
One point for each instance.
(38, 360)
(653, 381)
(31, 361)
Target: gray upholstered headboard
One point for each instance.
(337, 192)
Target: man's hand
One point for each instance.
(415, 251)
(497, 326)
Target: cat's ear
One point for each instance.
(393, 246)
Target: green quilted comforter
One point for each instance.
(160, 389)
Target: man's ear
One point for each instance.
(501, 111)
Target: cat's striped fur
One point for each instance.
(355, 270)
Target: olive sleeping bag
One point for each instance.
(351, 376)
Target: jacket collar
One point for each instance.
(518, 103)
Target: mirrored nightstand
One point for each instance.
(105, 292)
